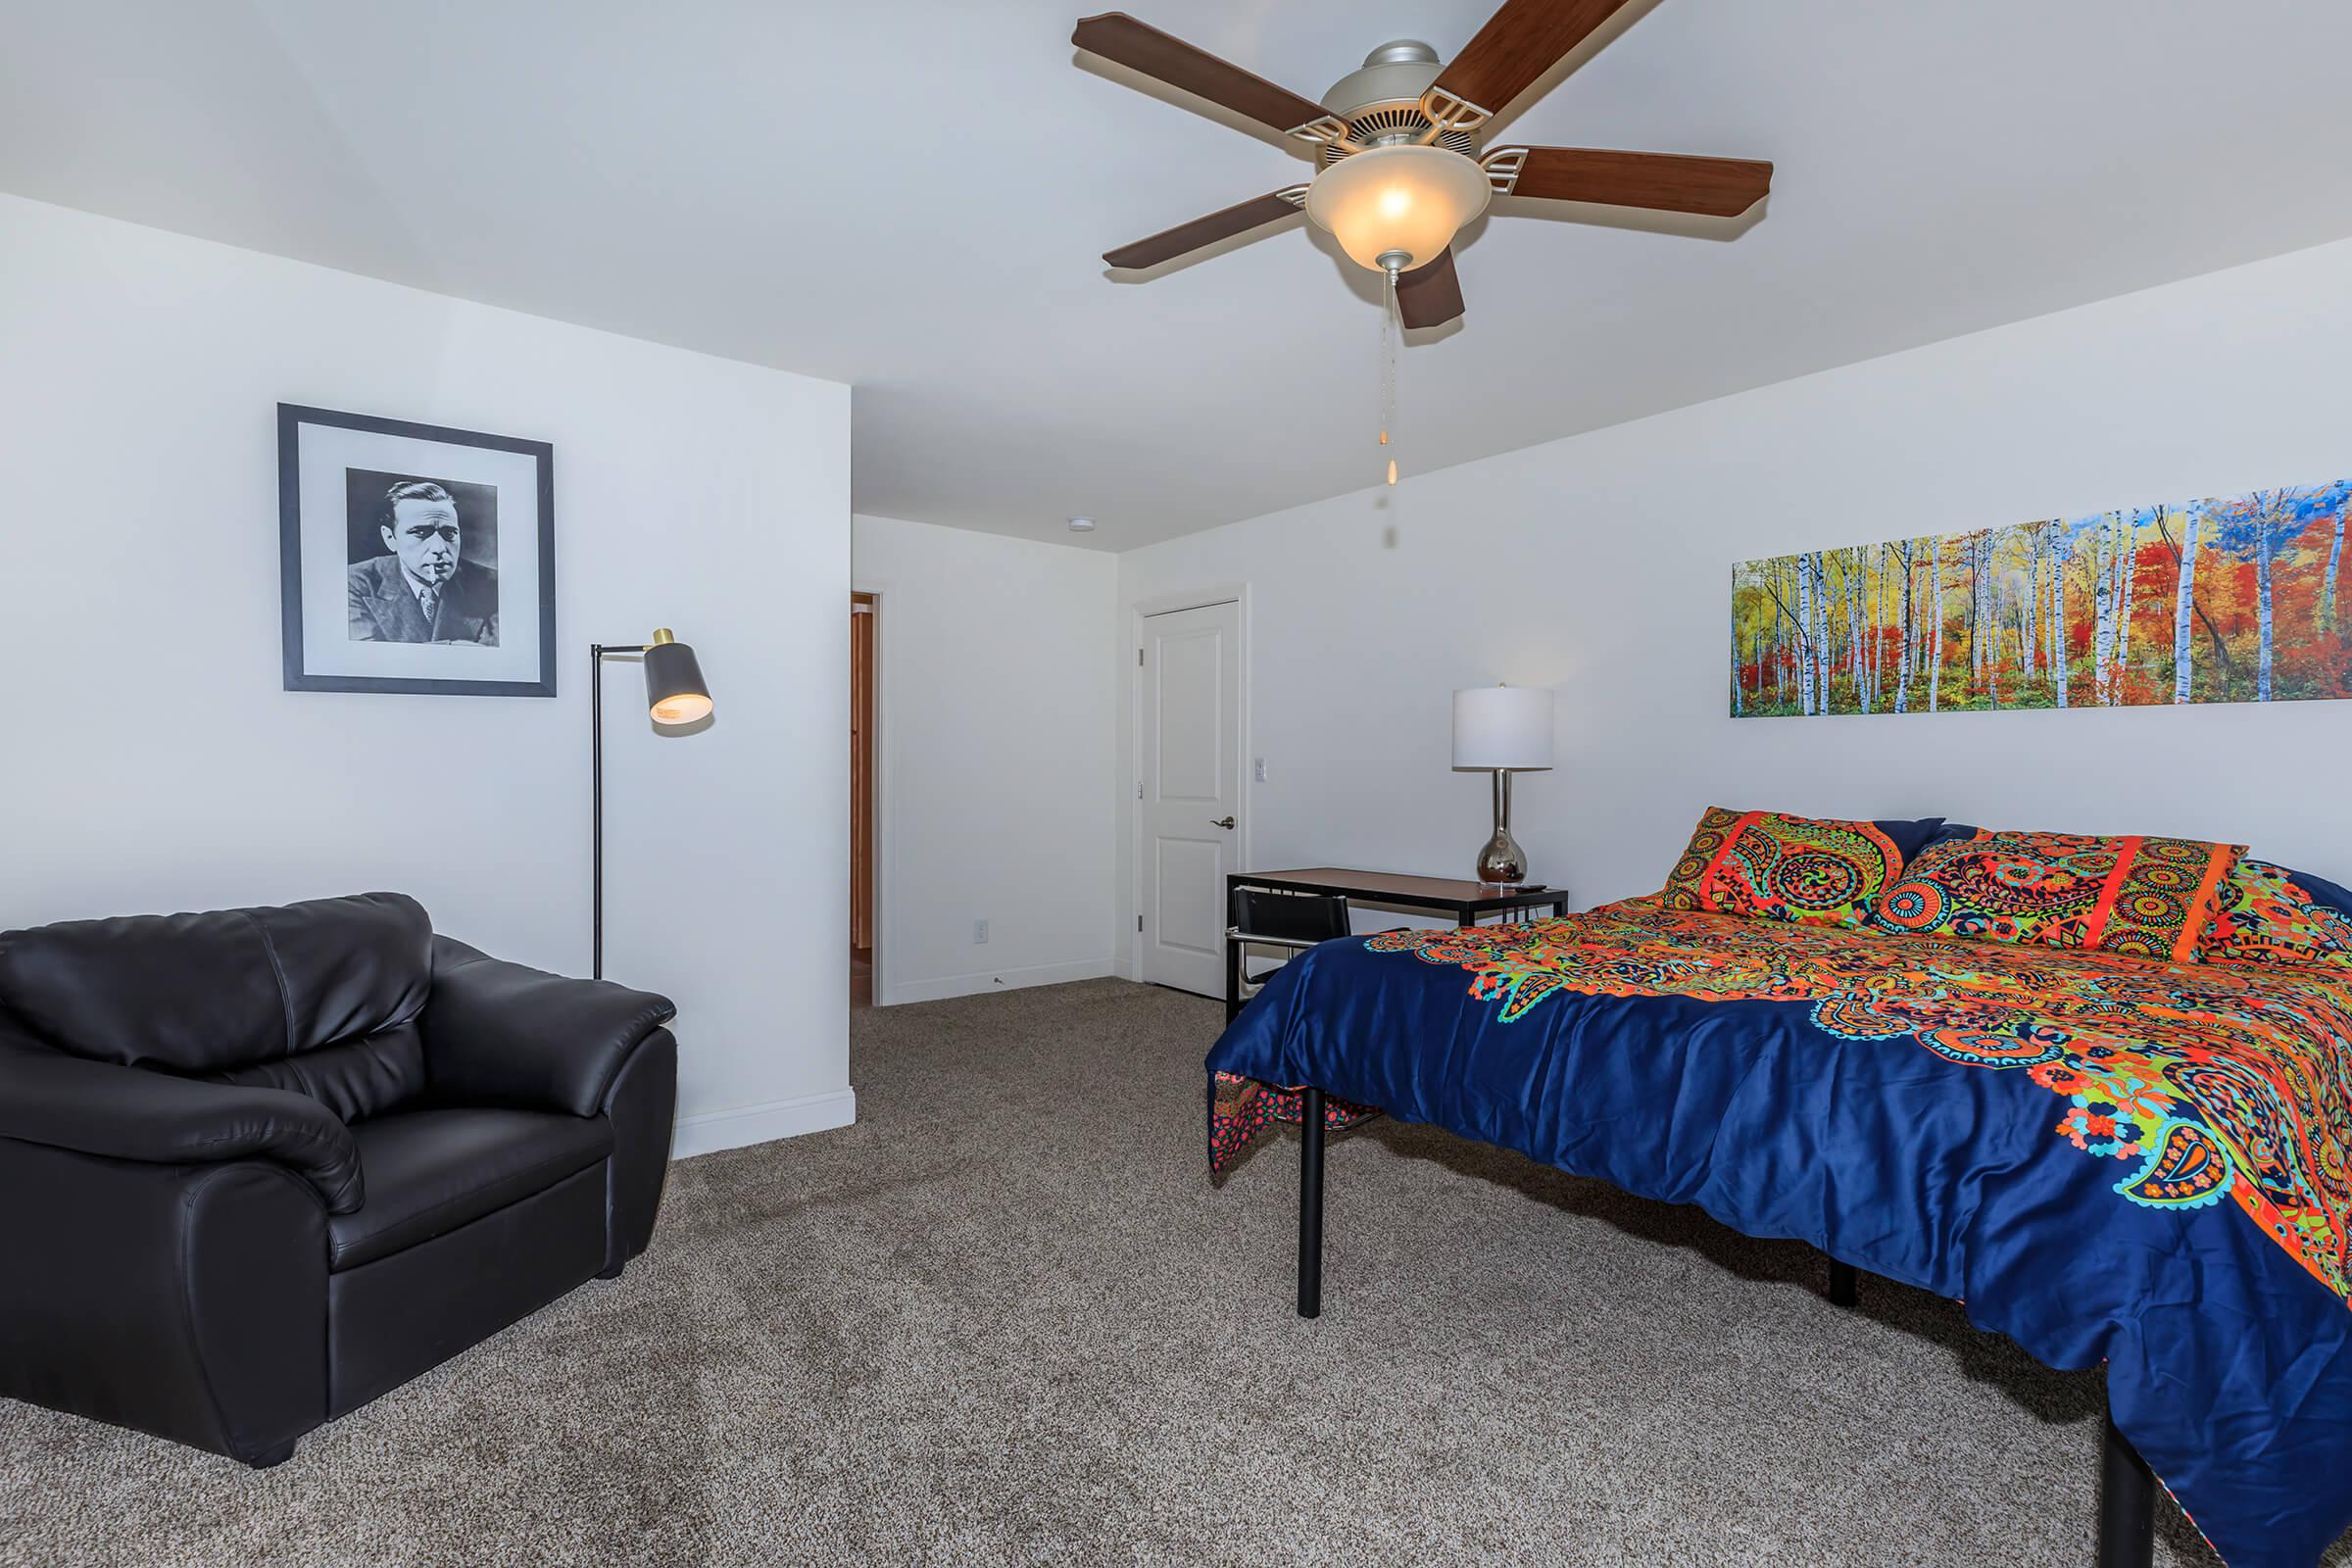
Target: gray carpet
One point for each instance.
(1007, 1319)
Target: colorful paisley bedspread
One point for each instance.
(2104, 1157)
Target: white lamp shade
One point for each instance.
(1503, 726)
(1403, 199)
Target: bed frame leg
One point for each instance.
(1310, 1204)
(1842, 1284)
(2126, 1504)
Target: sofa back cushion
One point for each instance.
(2274, 916)
(354, 1078)
(1805, 870)
(319, 997)
(2148, 897)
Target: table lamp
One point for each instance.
(675, 692)
(1503, 730)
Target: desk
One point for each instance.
(1466, 902)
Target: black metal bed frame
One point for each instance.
(2127, 1487)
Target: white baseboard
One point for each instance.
(971, 985)
(709, 1131)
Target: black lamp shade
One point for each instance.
(675, 690)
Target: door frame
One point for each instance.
(885, 844)
(1215, 593)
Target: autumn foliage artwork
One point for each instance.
(2238, 600)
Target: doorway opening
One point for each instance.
(863, 611)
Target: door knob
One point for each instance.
(1225, 823)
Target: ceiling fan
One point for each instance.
(1399, 144)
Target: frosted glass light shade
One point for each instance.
(1409, 199)
(1503, 726)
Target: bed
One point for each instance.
(2107, 1156)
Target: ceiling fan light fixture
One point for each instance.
(1386, 201)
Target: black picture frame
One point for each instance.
(291, 419)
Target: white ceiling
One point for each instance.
(912, 197)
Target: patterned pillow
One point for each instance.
(2268, 916)
(2146, 897)
(1766, 867)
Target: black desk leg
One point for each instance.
(1233, 978)
(1310, 1204)
(1842, 1284)
(2126, 1504)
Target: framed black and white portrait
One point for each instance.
(415, 558)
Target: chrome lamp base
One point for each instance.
(1503, 861)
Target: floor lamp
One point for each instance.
(675, 694)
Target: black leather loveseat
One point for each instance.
(258, 1166)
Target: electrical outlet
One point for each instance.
(979, 931)
(1260, 773)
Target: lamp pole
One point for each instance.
(596, 797)
(676, 694)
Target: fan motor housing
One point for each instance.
(1381, 103)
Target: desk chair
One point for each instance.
(1292, 921)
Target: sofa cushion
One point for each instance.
(427, 1172)
(206, 994)
(353, 1078)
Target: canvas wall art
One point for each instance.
(2233, 600)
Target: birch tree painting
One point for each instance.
(2235, 600)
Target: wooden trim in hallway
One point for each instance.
(862, 611)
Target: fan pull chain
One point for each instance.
(1389, 331)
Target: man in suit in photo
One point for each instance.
(425, 591)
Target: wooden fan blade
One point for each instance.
(1239, 218)
(1666, 182)
(1431, 294)
(1519, 43)
(1123, 40)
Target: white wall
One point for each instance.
(997, 700)
(153, 762)
(1600, 565)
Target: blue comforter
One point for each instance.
(2105, 1158)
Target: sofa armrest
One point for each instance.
(186, 1300)
(98, 1108)
(502, 1034)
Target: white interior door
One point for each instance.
(1192, 796)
